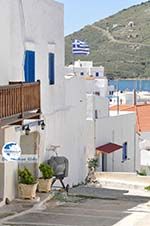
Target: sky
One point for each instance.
(79, 13)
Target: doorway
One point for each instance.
(104, 162)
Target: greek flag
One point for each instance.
(80, 47)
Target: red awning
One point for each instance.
(108, 148)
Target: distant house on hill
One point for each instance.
(131, 24)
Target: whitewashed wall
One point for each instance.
(97, 85)
(35, 25)
(145, 154)
(100, 70)
(10, 168)
(119, 129)
(78, 138)
(102, 106)
(38, 25)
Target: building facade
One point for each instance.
(32, 48)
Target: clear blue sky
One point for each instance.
(79, 13)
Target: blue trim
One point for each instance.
(51, 69)
(29, 66)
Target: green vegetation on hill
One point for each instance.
(121, 43)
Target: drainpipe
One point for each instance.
(113, 154)
(117, 97)
(134, 166)
(134, 97)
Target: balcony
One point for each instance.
(19, 101)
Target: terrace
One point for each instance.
(19, 101)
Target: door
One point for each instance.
(104, 162)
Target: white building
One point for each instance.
(115, 138)
(142, 131)
(117, 132)
(117, 144)
(32, 48)
(128, 97)
(84, 68)
(96, 82)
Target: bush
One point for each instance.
(93, 162)
(25, 177)
(142, 172)
(46, 170)
(147, 188)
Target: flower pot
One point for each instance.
(27, 191)
(45, 185)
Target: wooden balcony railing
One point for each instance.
(19, 100)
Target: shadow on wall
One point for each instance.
(30, 146)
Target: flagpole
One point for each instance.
(73, 56)
(73, 63)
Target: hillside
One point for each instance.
(121, 43)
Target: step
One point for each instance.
(120, 184)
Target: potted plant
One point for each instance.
(46, 180)
(27, 184)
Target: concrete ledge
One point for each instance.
(125, 181)
(128, 177)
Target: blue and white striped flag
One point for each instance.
(80, 47)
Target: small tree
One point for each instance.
(93, 163)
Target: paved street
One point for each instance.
(80, 211)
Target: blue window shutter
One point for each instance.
(124, 151)
(29, 66)
(51, 68)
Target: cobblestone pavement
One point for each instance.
(87, 207)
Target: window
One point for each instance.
(51, 68)
(124, 152)
(111, 92)
(29, 66)
(82, 73)
(97, 74)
